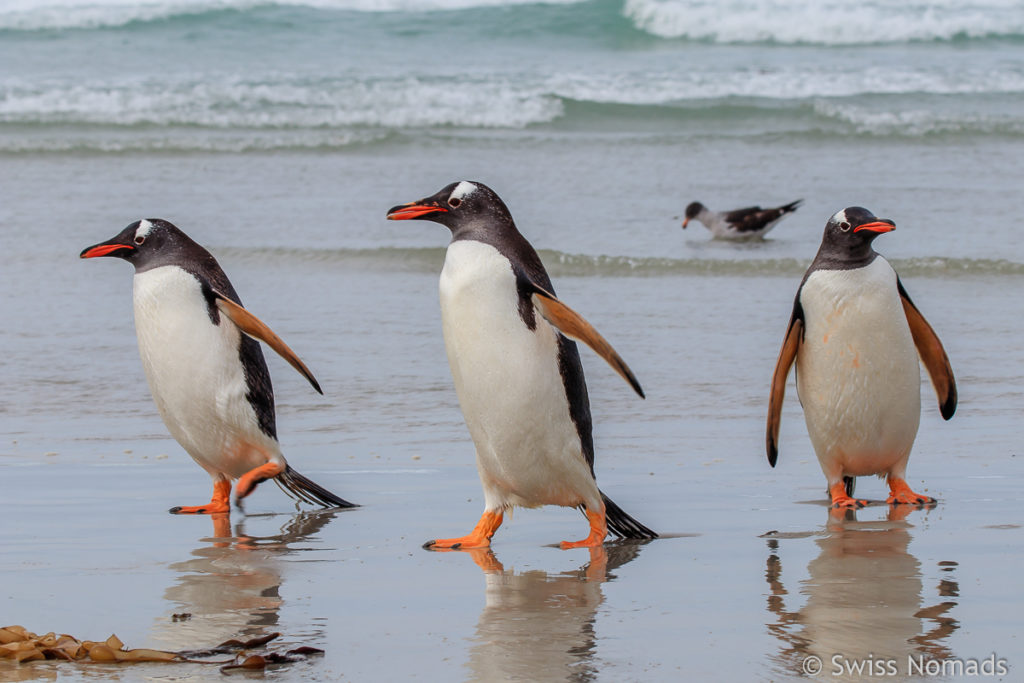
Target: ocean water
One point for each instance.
(279, 133)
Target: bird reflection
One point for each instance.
(230, 588)
(864, 599)
(549, 616)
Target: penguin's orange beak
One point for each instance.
(881, 225)
(103, 249)
(685, 223)
(404, 212)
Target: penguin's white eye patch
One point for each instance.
(145, 227)
(454, 202)
(139, 239)
(461, 190)
(844, 226)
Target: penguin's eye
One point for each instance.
(139, 239)
(454, 202)
(844, 226)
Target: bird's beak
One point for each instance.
(880, 225)
(423, 207)
(685, 222)
(109, 248)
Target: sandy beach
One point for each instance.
(278, 135)
(754, 575)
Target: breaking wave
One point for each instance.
(561, 264)
(824, 22)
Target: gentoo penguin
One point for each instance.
(519, 380)
(205, 371)
(752, 221)
(853, 335)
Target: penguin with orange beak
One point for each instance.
(856, 337)
(517, 371)
(205, 370)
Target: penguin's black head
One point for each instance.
(691, 212)
(146, 243)
(460, 207)
(851, 231)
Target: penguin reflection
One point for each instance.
(551, 616)
(864, 599)
(231, 585)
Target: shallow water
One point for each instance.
(723, 604)
(89, 471)
(597, 135)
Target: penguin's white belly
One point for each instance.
(509, 386)
(857, 371)
(195, 374)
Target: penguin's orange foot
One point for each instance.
(598, 531)
(467, 542)
(842, 501)
(848, 503)
(221, 502)
(591, 541)
(248, 481)
(208, 509)
(479, 537)
(900, 493)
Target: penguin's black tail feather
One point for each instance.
(307, 490)
(621, 524)
(792, 206)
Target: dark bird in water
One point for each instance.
(745, 223)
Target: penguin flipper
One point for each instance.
(257, 329)
(932, 355)
(794, 335)
(573, 325)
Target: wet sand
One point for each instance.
(89, 549)
(756, 582)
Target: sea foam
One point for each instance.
(298, 103)
(502, 100)
(826, 22)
